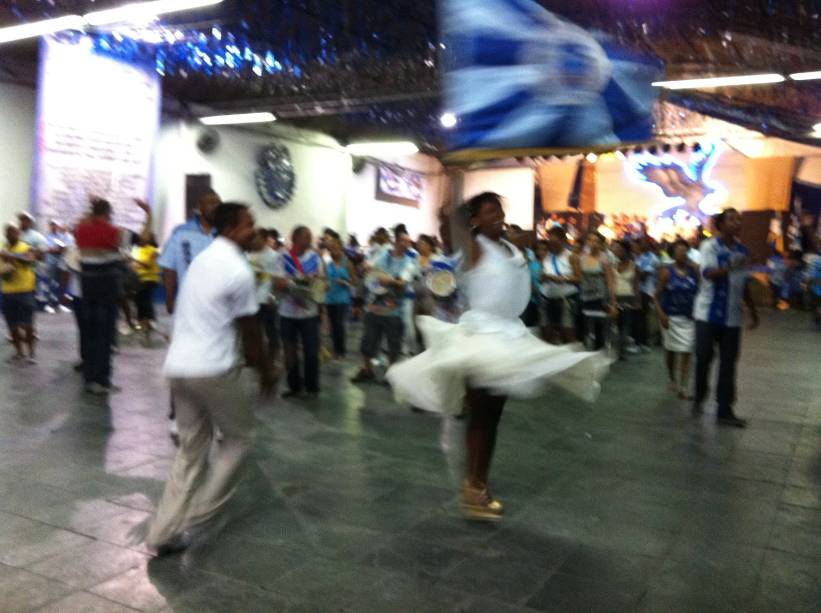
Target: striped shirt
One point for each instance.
(720, 301)
(289, 306)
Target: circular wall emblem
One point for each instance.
(275, 177)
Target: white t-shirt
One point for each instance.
(558, 266)
(217, 290)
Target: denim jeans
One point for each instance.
(306, 332)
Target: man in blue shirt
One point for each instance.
(186, 242)
(719, 313)
(394, 270)
(648, 265)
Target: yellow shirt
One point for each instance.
(22, 279)
(147, 267)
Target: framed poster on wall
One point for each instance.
(399, 186)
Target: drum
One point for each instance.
(319, 289)
(300, 289)
(441, 283)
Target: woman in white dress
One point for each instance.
(489, 355)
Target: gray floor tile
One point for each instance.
(351, 503)
(21, 590)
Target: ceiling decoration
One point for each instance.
(369, 67)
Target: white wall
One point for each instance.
(365, 212)
(322, 175)
(515, 185)
(17, 113)
(328, 193)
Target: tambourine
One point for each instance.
(441, 283)
(373, 282)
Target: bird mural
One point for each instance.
(687, 185)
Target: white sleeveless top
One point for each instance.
(497, 289)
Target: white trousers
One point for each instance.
(197, 489)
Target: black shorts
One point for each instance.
(18, 309)
(377, 326)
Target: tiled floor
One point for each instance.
(349, 504)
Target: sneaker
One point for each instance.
(645, 349)
(176, 544)
(95, 389)
(632, 350)
(102, 390)
(50, 310)
(31, 360)
(731, 420)
(63, 309)
(15, 358)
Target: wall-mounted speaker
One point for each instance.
(358, 164)
(208, 141)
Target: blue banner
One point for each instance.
(518, 76)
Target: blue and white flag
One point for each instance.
(517, 76)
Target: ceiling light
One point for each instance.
(40, 28)
(817, 129)
(754, 79)
(382, 148)
(806, 76)
(448, 120)
(238, 118)
(142, 11)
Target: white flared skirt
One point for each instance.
(510, 362)
(680, 336)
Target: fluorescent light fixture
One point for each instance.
(448, 120)
(753, 79)
(40, 28)
(238, 118)
(382, 148)
(142, 11)
(806, 76)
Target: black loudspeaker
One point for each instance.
(208, 141)
(358, 164)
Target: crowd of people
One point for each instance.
(454, 329)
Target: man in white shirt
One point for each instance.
(725, 271)
(217, 304)
(559, 289)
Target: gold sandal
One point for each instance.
(478, 504)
